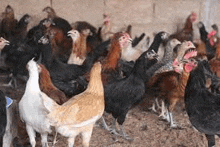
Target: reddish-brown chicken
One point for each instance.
(187, 32)
(110, 64)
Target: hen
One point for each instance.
(31, 108)
(121, 95)
(67, 78)
(8, 23)
(58, 21)
(187, 32)
(79, 49)
(208, 43)
(79, 114)
(201, 105)
(170, 85)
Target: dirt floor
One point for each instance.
(144, 126)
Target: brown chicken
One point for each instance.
(48, 88)
(187, 32)
(170, 85)
(79, 114)
(60, 43)
(79, 49)
(8, 23)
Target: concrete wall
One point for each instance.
(147, 16)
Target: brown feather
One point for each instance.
(48, 88)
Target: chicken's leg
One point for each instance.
(124, 135)
(44, 140)
(172, 122)
(31, 134)
(211, 140)
(104, 124)
(163, 111)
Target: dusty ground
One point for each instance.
(144, 126)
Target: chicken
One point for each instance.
(171, 44)
(31, 108)
(17, 54)
(170, 55)
(79, 49)
(20, 31)
(3, 116)
(122, 94)
(187, 32)
(48, 88)
(159, 38)
(79, 114)
(215, 28)
(58, 21)
(67, 78)
(106, 31)
(106, 28)
(111, 69)
(170, 85)
(129, 53)
(60, 43)
(202, 106)
(202, 31)
(8, 23)
(94, 39)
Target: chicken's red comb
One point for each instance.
(212, 33)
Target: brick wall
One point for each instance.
(147, 16)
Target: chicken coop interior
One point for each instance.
(109, 73)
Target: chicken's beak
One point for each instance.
(69, 33)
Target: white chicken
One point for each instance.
(31, 108)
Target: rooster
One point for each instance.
(79, 114)
(31, 108)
